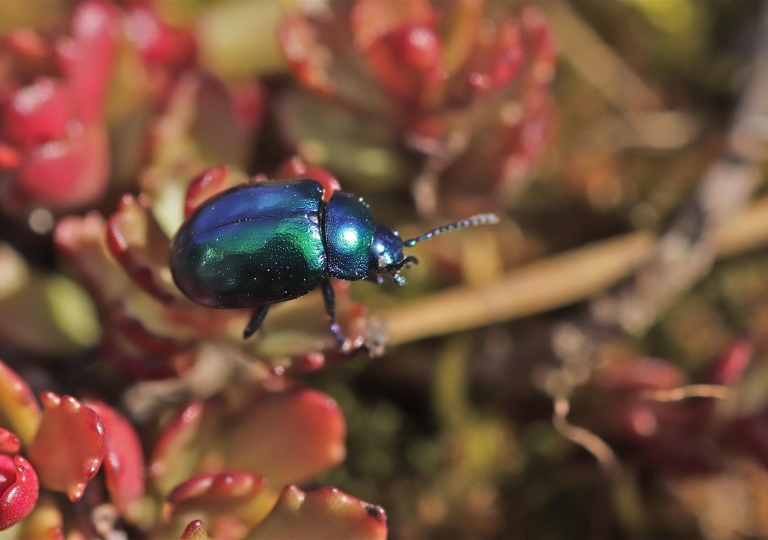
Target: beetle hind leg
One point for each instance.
(256, 320)
(330, 308)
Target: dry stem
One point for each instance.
(554, 282)
(593, 444)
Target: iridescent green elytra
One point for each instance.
(250, 247)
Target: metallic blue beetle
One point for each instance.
(257, 244)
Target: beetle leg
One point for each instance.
(330, 308)
(256, 320)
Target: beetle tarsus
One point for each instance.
(256, 320)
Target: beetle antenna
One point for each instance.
(479, 219)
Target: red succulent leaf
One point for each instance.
(160, 44)
(544, 45)
(402, 45)
(306, 56)
(238, 495)
(536, 128)
(408, 63)
(222, 127)
(147, 342)
(37, 113)
(641, 373)
(496, 59)
(247, 104)
(123, 460)
(18, 487)
(82, 242)
(45, 522)
(138, 327)
(88, 56)
(322, 513)
(195, 531)
(9, 442)
(288, 435)
(137, 366)
(206, 185)
(70, 445)
(730, 366)
(19, 409)
(10, 158)
(296, 167)
(138, 243)
(26, 43)
(66, 173)
(372, 19)
(181, 446)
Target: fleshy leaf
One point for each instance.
(70, 445)
(371, 19)
(9, 443)
(288, 436)
(402, 46)
(238, 494)
(88, 56)
(18, 407)
(65, 173)
(45, 522)
(18, 487)
(208, 184)
(195, 531)
(224, 120)
(123, 460)
(136, 325)
(160, 44)
(730, 366)
(37, 113)
(82, 241)
(179, 448)
(47, 314)
(322, 513)
(296, 167)
(408, 62)
(10, 158)
(305, 54)
(496, 59)
(140, 246)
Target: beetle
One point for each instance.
(257, 244)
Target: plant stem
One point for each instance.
(554, 282)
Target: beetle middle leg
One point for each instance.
(330, 308)
(256, 320)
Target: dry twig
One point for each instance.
(583, 437)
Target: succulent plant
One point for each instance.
(454, 95)
(53, 136)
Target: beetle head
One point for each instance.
(386, 255)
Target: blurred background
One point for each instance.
(594, 366)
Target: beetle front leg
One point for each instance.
(256, 320)
(330, 308)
